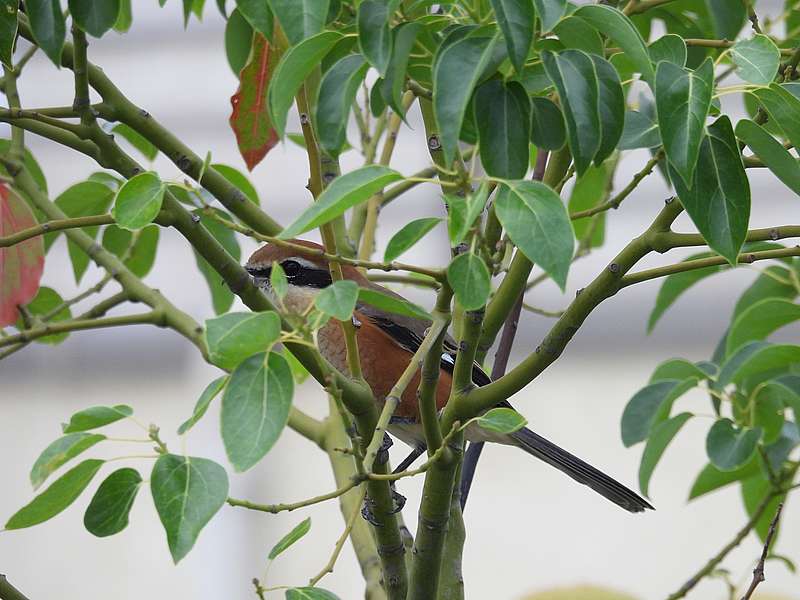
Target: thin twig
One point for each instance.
(55, 225)
(758, 572)
(706, 570)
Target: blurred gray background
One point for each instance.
(529, 528)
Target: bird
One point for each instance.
(386, 345)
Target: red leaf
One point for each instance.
(21, 265)
(250, 120)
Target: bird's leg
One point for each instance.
(409, 460)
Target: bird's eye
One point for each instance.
(291, 267)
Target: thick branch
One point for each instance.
(605, 285)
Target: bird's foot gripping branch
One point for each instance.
(528, 110)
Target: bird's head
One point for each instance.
(307, 271)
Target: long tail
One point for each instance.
(579, 470)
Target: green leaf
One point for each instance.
(300, 19)
(502, 112)
(589, 191)
(61, 493)
(768, 410)
(680, 368)
(470, 280)
(137, 140)
(234, 336)
(766, 286)
(548, 131)
(574, 75)
(457, 69)
(671, 48)
(211, 392)
(538, 224)
(409, 235)
(108, 511)
(611, 103)
(45, 301)
(59, 453)
(238, 40)
(730, 447)
(124, 18)
(342, 194)
(640, 132)
(96, 416)
(759, 320)
(293, 68)
(8, 29)
(221, 295)
(310, 593)
(683, 99)
(187, 492)
(783, 109)
(81, 200)
(278, 281)
(550, 12)
(675, 285)
(719, 200)
(577, 34)
(650, 406)
(501, 420)
(393, 83)
(374, 37)
(727, 18)
(258, 15)
(754, 358)
(711, 478)
(659, 439)
(238, 179)
(255, 408)
(138, 201)
(754, 491)
(337, 91)
(462, 213)
(290, 538)
(757, 59)
(516, 19)
(142, 255)
(771, 152)
(392, 303)
(612, 23)
(338, 300)
(48, 27)
(95, 17)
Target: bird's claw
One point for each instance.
(367, 509)
(398, 499)
(382, 457)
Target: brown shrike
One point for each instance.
(386, 344)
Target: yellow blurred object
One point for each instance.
(582, 592)
(758, 596)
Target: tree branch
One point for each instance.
(56, 225)
(27, 335)
(8, 591)
(700, 263)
